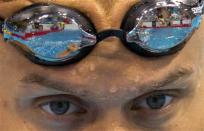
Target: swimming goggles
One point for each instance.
(51, 34)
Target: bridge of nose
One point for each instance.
(111, 120)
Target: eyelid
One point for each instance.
(135, 105)
(72, 109)
(67, 119)
(72, 99)
(184, 85)
(169, 99)
(170, 92)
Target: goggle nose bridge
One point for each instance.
(111, 33)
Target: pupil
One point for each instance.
(156, 101)
(59, 107)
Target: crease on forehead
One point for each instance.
(8, 8)
(107, 4)
(89, 7)
(123, 6)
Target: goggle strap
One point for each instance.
(1, 25)
(110, 33)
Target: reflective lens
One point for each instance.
(187, 2)
(1, 25)
(163, 28)
(51, 33)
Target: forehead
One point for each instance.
(106, 56)
(104, 3)
(107, 4)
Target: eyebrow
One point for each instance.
(177, 75)
(47, 82)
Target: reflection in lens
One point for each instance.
(1, 25)
(51, 36)
(163, 28)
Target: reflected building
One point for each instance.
(166, 17)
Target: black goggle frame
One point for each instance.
(127, 25)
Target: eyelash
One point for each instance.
(76, 106)
(136, 104)
(168, 99)
(81, 110)
(47, 107)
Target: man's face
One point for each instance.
(112, 89)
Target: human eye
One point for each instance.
(154, 107)
(61, 108)
(156, 101)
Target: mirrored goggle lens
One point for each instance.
(164, 28)
(48, 35)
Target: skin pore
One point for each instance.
(107, 89)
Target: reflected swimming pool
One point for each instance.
(165, 38)
(51, 44)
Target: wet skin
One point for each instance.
(103, 88)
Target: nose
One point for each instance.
(110, 45)
(111, 121)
